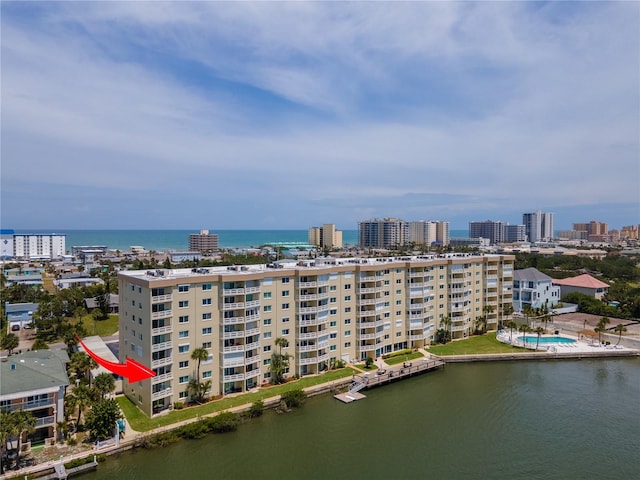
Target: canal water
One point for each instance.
(504, 420)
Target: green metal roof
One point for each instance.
(32, 371)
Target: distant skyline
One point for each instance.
(242, 115)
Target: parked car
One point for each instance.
(28, 326)
(15, 327)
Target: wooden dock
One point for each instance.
(387, 375)
(61, 473)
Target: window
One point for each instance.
(285, 279)
(206, 374)
(285, 293)
(347, 333)
(332, 348)
(183, 288)
(184, 379)
(183, 318)
(285, 306)
(266, 348)
(347, 298)
(398, 292)
(206, 301)
(387, 315)
(206, 286)
(183, 348)
(285, 319)
(267, 308)
(183, 334)
(206, 316)
(184, 364)
(206, 331)
(266, 295)
(206, 344)
(347, 286)
(266, 361)
(285, 331)
(333, 300)
(399, 280)
(386, 304)
(333, 311)
(398, 302)
(332, 288)
(267, 334)
(183, 395)
(398, 334)
(386, 282)
(347, 321)
(183, 303)
(333, 335)
(347, 344)
(347, 309)
(332, 323)
(266, 321)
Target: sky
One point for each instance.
(223, 115)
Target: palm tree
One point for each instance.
(81, 365)
(7, 430)
(620, 329)
(507, 311)
(539, 331)
(24, 422)
(200, 355)
(279, 361)
(602, 327)
(527, 311)
(104, 384)
(524, 328)
(446, 321)
(81, 397)
(511, 325)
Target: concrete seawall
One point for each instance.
(501, 357)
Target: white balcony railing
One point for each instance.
(233, 306)
(162, 378)
(162, 298)
(234, 378)
(161, 346)
(234, 334)
(233, 320)
(162, 393)
(42, 421)
(162, 314)
(162, 330)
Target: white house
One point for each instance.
(534, 288)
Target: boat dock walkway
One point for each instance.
(61, 473)
(387, 375)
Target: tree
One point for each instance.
(39, 344)
(481, 325)
(7, 431)
(524, 329)
(279, 361)
(10, 342)
(104, 384)
(81, 397)
(81, 365)
(539, 331)
(602, 327)
(511, 325)
(200, 355)
(620, 329)
(507, 311)
(24, 422)
(368, 363)
(101, 419)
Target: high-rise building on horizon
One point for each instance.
(425, 232)
(33, 246)
(539, 226)
(494, 231)
(515, 233)
(203, 242)
(325, 236)
(389, 233)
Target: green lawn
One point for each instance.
(361, 366)
(103, 328)
(140, 422)
(403, 358)
(475, 345)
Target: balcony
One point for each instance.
(233, 306)
(417, 274)
(307, 284)
(459, 308)
(367, 324)
(307, 335)
(307, 298)
(252, 374)
(232, 362)
(162, 393)
(366, 348)
(368, 301)
(162, 314)
(308, 348)
(252, 289)
(29, 405)
(308, 323)
(227, 292)
(251, 332)
(161, 346)
(416, 337)
(162, 298)
(368, 290)
(253, 317)
(233, 320)
(252, 303)
(161, 362)
(367, 313)
(459, 328)
(234, 334)
(416, 316)
(44, 421)
(251, 346)
(312, 360)
(234, 348)
(234, 378)
(250, 360)
(367, 336)
(165, 377)
(162, 330)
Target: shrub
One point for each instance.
(256, 409)
(293, 398)
(223, 423)
(194, 430)
(178, 405)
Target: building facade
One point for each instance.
(203, 242)
(494, 231)
(38, 246)
(325, 236)
(534, 288)
(388, 233)
(539, 226)
(515, 233)
(326, 309)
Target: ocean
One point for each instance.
(178, 240)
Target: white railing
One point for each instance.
(162, 298)
(233, 306)
(233, 320)
(367, 336)
(162, 393)
(162, 314)
(252, 374)
(252, 303)
(161, 362)
(162, 330)
(303, 298)
(369, 301)
(307, 284)
(161, 346)
(367, 290)
(308, 348)
(234, 334)
(235, 348)
(252, 317)
(162, 378)
(308, 323)
(459, 328)
(251, 346)
(251, 289)
(233, 378)
(235, 362)
(251, 331)
(366, 348)
(308, 335)
(27, 405)
(250, 360)
(227, 292)
(42, 421)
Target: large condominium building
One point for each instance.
(326, 309)
(494, 231)
(515, 233)
(539, 226)
(425, 232)
(203, 242)
(325, 236)
(389, 233)
(33, 246)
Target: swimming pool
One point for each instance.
(546, 340)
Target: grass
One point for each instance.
(103, 328)
(403, 358)
(362, 366)
(475, 345)
(140, 422)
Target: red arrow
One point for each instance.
(134, 371)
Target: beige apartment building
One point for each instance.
(327, 309)
(325, 236)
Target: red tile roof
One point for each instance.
(584, 281)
